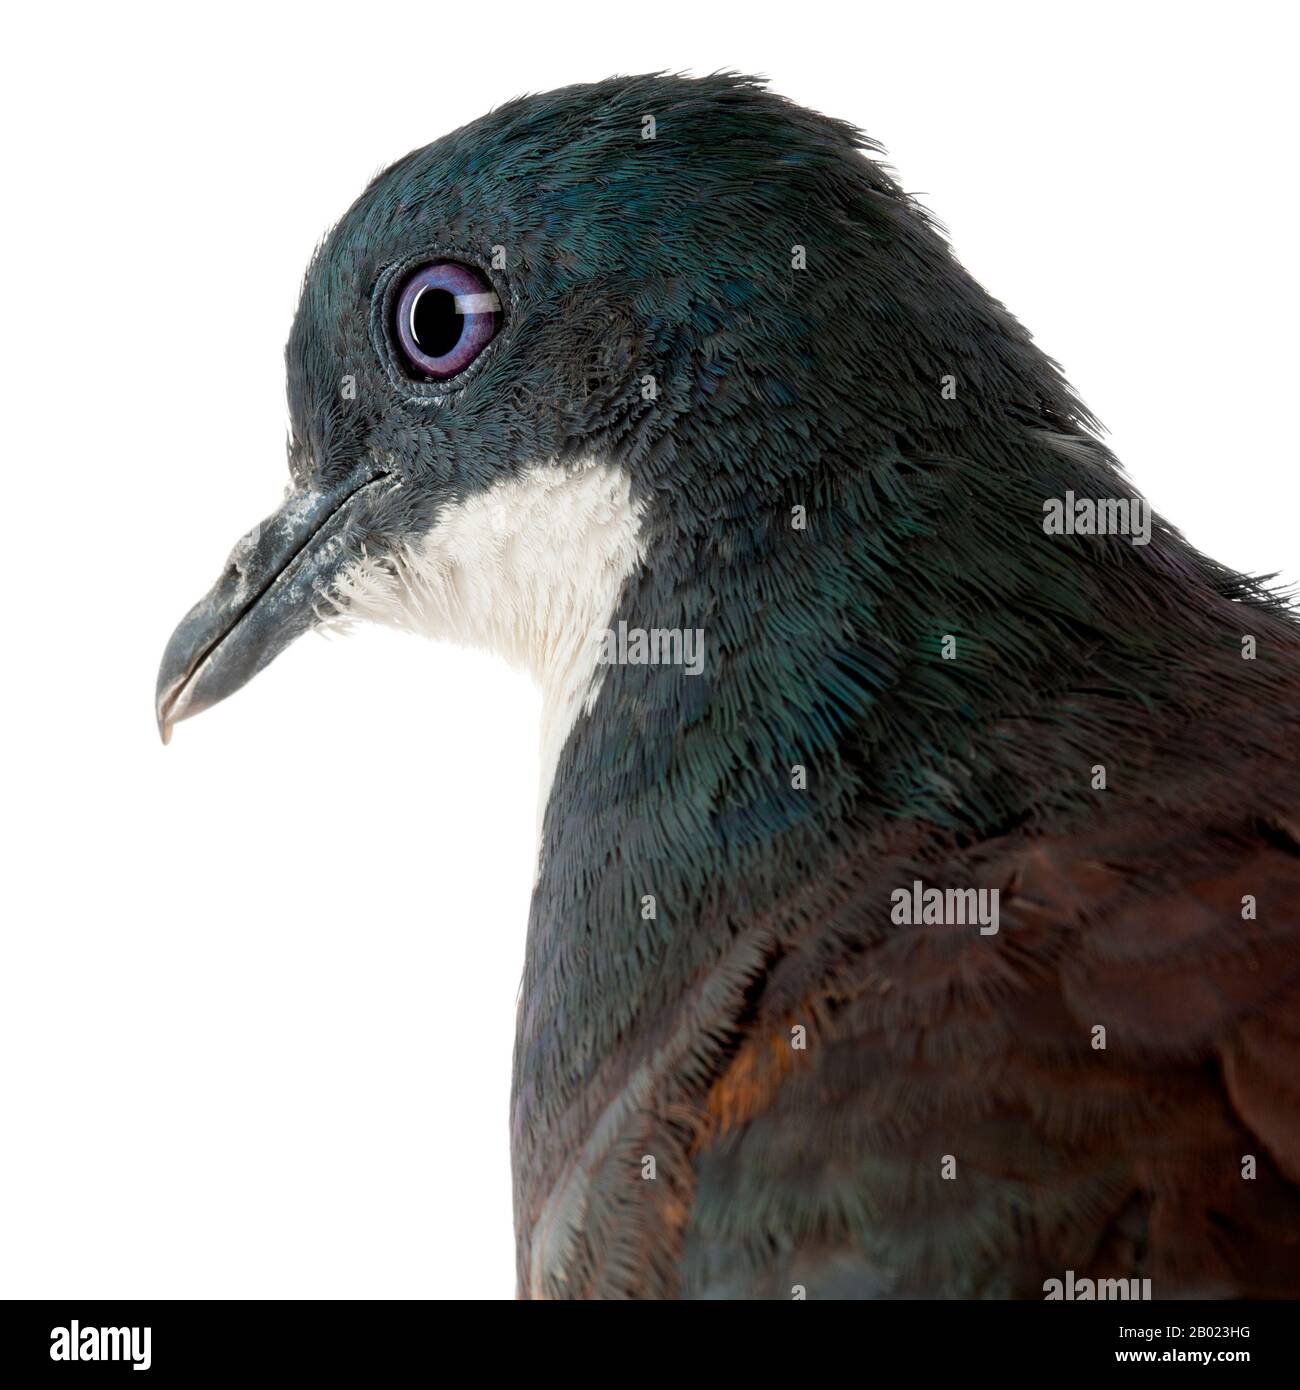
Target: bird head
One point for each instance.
(589, 333)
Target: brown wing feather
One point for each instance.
(823, 1168)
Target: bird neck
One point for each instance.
(912, 654)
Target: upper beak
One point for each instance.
(266, 597)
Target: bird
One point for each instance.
(917, 910)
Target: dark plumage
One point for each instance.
(882, 391)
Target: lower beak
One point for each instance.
(267, 596)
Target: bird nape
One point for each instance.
(918, 908)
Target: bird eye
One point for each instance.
(446, 314)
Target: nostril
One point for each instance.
(238, 562)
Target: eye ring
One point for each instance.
(444, 314)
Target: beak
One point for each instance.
(266, 597)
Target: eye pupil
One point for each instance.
(444, 315)
(435, 324)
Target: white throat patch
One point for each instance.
(531, 568)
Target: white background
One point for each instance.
(257, 991)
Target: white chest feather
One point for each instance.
(532, 568)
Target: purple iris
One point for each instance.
(446, 314)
